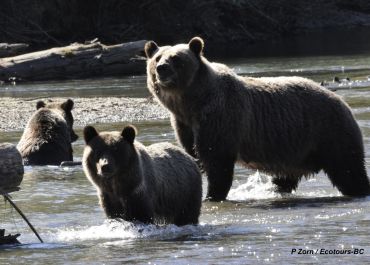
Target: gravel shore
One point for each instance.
(15, 112)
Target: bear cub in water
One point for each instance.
(158, 184)
(289, 127)
(48, 136)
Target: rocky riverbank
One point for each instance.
(15, 112)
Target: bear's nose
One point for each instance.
(164, 70)
(106, 168)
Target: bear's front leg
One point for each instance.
(184, 135)
(220, 171)
(70, 153)
(140, 208)
(218, 156)
(112, 207)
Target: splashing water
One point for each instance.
(258, 186)
(113, 230)
(108, 230)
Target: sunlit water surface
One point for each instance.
(254, 225)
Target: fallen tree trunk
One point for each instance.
(75, 61)
(13, 49)
(11, 168)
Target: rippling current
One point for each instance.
(255, 224)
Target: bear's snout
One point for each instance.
(164, 71)
(105, 167)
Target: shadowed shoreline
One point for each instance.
(220, 23)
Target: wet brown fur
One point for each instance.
(48, 136)
(156, 184)
(287, 126)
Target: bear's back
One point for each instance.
(49, 124)
(46, 139)
(272, 116)
(295, 98)
(290, 117)
(176, 177)
(167, 157)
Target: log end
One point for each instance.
(11, 167)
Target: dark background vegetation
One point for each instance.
(47, 23)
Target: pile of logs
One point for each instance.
(75, 61)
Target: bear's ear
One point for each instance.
(68, 105)
(89, 133)
(40, 104)
(196, 45)
(129, 133)
(150, 49)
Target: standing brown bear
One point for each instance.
(156, 184)
(286, 126)
(48, 137)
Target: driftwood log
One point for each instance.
(75, 61)
(12, 49)
(11, 168)
(8, 239)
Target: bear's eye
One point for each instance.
(158, 58)
(176, 60)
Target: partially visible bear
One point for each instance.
(287, 126)
(156, 184)
(48, 136)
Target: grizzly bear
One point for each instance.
(48, 136)
(286, 126)
(158, 184)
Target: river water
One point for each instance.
(255, 225)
